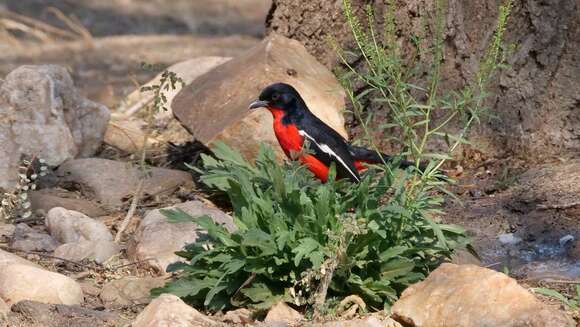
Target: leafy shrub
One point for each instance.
(296, 237)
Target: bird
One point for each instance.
(304, 137)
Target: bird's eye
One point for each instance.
(275, 96)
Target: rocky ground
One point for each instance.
(64, 262)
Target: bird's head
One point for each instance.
(279, 96)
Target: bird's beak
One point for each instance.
(259, 104)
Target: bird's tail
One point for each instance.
(374, 157)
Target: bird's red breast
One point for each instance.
(291, 142)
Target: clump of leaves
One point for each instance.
(299, 240)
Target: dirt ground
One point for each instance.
(106, 66)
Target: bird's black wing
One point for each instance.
(328, 146)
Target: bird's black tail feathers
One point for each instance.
(373, 157)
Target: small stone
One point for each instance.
(169, 310)
(238, 316)
(90, 289)
(472, 296)
(28, 239)
(25, 282)
(69, 226)
(509, 239)
(157, 239)
(6, 230)
(99, 251)
(282, 312)
(130, 290)
(566, 239)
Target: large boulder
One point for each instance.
(42, 114)
(215, 105)
(472, 296)
(156, 239)
(113, 182)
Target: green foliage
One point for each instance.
(573, 303)
(294, 231)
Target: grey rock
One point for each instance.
(99, 251)
(509, 239)
(156, 239)
(43, 114)
(113, 182)
(28, 239)
(68, 226)
(46, 199)
(62, 315)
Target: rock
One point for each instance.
(187, 70)
(238, 316)
(509, 239)
(6, 231)
(129, 290)
(46, 199)
(68, 226)
(26, 282)
(61, 315)
(468, 295)
(169, 310)
(7, 258)
(282, 312)
(99, 251)
(364, 322)
(128, 135)
(157, 239)
(113, 182)
(43, 114)
(28, 239)
(215, 105)
(125, 132)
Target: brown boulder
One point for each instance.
(215, 105)
(472, 296)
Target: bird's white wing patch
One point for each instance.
(326, 149)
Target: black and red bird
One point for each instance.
(298, 129)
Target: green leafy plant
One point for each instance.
(573, 303)
(302, 241)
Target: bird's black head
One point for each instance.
(280, 96)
